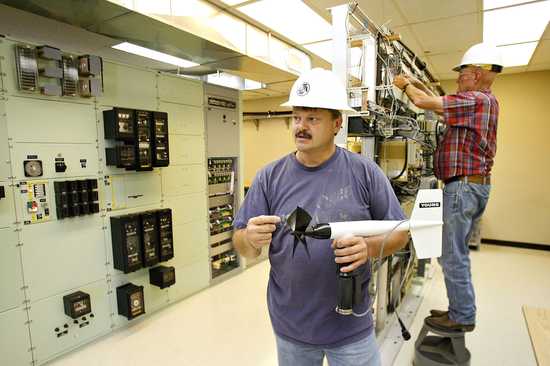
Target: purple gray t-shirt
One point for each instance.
(302, 292)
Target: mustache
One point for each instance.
(303, 134)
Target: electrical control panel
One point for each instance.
(52, 72)
(127, 243)
(141, 138)
(142, 239)
(130, 300)
(161, 156)
(166, 239)
(150, 234)
(77, 304)
(162, 276)
(57, 175)
(76, 198)
(121, 156)
(221, 180)
(35, 201)
(118, 124)
(143, 143)
(221, 219)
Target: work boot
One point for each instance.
(434, 312)
(445, 324)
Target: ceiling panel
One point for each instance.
(542, 53)
(416, 11)
(452, 34)
(410, 40)
(380, 11)
(443, 63)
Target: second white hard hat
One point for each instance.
(318, 88)
(482, 54)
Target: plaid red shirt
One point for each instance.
(469, 143)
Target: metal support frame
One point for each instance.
(340, 60)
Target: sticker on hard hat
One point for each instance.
(303, 89)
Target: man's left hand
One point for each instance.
(352, 251)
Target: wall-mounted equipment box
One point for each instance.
(166, 239)
(161, 156)
(34, 201)
(126, 243)
(118, 124)
(150, 238)
(76, 198)
(121, 156)
(130, 300)
(162, 276)
(89, 65)
(77, 304)
(143, 143)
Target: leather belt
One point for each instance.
(476, 178)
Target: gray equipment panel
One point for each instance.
(187, 208)
(5, 171)
(184, 119)
(48, 314)
(190, 279)
(183, 179)
(7, 210)
(15, 348)
(190, 243)
(81, 159)
(222, 124)
(132, 190)
(62, 254)
(38, 120)
(121, 91)
(11, 282)
(179, 90)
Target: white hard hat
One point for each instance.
(318, 88)
(482, 54)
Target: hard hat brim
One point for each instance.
(341, 108)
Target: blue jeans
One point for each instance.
(361, 353)
(463, 204)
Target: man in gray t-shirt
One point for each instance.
(332, 184)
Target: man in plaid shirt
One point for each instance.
(463, 161)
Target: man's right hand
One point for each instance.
(258, 230)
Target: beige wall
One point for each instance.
(268, 141)
(519, 207)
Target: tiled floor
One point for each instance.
(228, 324)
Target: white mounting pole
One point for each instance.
(340, 55)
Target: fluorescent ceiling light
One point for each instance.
(493, 4)
(519, 24)
(291, 18)
(517, 54)
(233, 81)
(154, 55)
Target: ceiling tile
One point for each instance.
(542, 53)
(380, 11)
(447, 35)
(410, 40)
(422, 10)
(443, 63)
